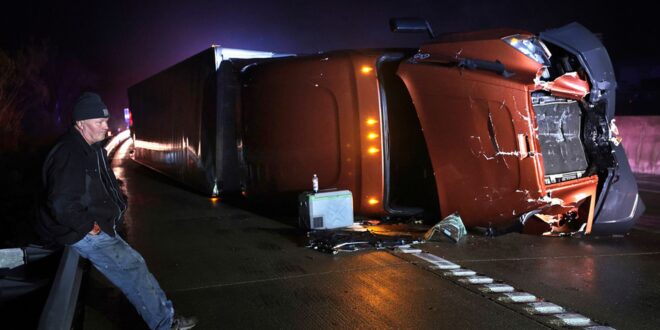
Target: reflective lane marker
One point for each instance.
(497, 288)
(408, 249)
(571, 319)
(445, 266)
(460, 272)
(517, 297)
(552, 314)
(544, 307)
(436, 261)
(476, 280)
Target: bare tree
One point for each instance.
(21, 89)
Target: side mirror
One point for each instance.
(411, 25)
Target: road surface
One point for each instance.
(234, 268)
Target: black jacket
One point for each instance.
(79, 189)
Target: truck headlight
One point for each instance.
(531, 47)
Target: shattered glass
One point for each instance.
(452, 226)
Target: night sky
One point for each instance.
(119, 43)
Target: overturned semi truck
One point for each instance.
(501, 126)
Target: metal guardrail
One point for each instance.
(61, 303)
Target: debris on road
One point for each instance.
(452, 226)
(358, 237)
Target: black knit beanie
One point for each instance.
(88, 106)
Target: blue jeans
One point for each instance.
(126, 269)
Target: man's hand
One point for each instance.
(96, 230)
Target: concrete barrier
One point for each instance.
(641, 140)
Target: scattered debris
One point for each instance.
(373, 234)
(358, 238)
(452, 226)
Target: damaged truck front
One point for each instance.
(521, 128)
(502, 126)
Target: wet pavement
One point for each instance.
(649, 190)
(233, 268)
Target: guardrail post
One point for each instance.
(61, 303)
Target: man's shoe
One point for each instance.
(183, 323)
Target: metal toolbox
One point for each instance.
(325, 210)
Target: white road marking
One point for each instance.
(572, 319)
(436, 261)
(460, 272)
(497, 288)
(476, 280)
(507, 293)
(544, 307)
(404, 249)
(518, 297)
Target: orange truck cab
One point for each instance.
(504, 127)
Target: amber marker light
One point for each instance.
(372, 136)
(373, 201)
(371, 121)
(373, 150)
(214, 200)
(366, 69)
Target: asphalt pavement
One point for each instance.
(236, 267)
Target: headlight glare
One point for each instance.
(531, 47)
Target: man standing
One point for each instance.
(84, 205)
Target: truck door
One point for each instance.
(479, 131)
